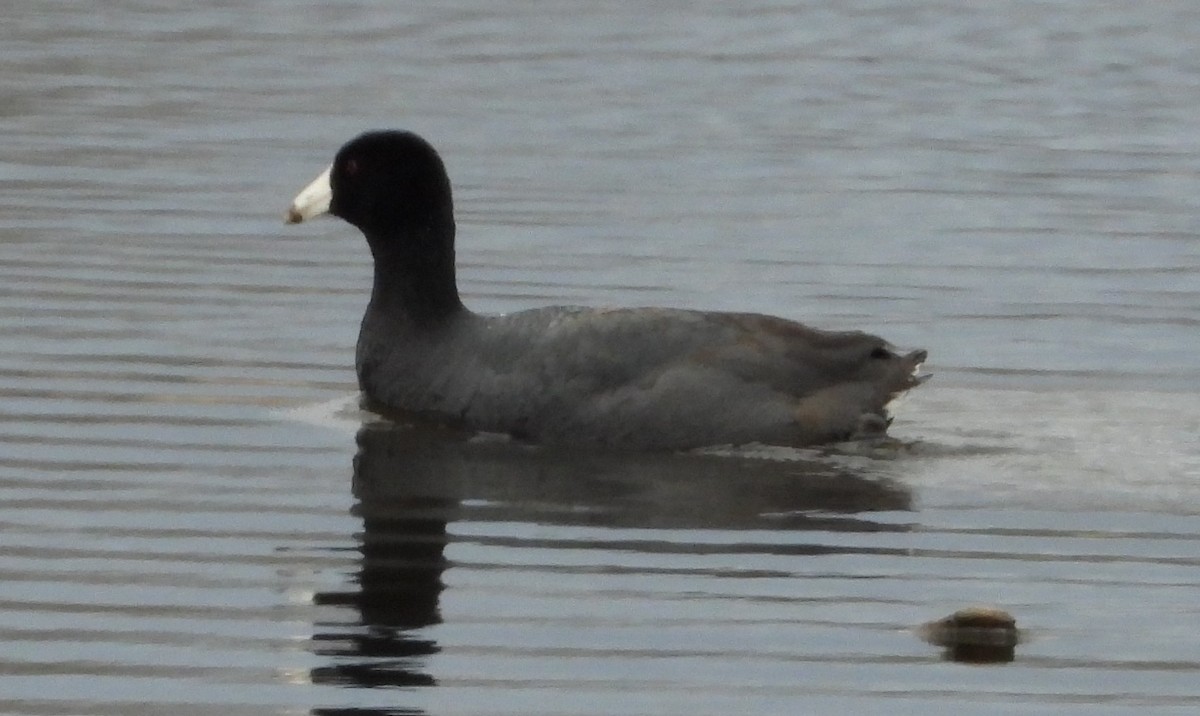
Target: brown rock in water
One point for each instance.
(976, 635)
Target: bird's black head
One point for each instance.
(393, 186)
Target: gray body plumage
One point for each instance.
(638, 378)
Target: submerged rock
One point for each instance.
(977, 635)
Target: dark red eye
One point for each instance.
(350, 167)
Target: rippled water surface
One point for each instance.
(195, 520)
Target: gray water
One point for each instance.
(195, 520)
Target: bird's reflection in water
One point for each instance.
(411, 484)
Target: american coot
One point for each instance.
(648, 378)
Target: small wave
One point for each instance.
(342, 414)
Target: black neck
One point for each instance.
(414, 273)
